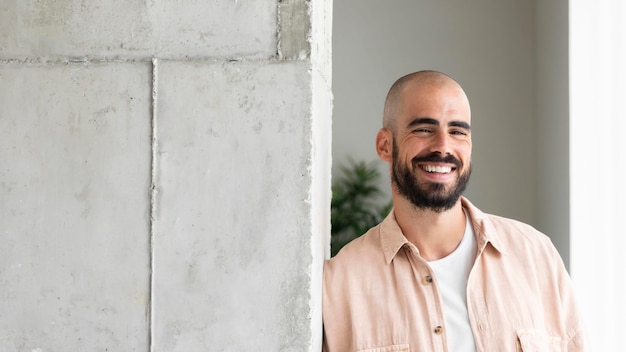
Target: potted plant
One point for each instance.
(355, 204)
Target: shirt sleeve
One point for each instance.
(577, 341)
(575, 334)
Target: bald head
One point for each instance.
(413, 80)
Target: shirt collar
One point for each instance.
(483, 227)
(392, 238)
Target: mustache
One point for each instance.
(437, 158)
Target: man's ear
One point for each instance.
(384, 145)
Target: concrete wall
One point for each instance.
(511, 59)
(164, 174)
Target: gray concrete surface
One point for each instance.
(164, 172)
(220, 127)
(74, 207)
(136, 29)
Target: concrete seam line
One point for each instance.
(279, 30)
(117, 59)
(153, 195)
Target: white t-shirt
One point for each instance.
(451, 274)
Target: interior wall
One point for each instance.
(552, 210)
(511, 58)
(164, 174)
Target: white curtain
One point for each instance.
(598, 165)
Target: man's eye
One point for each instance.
(459, 133)
(422, 130)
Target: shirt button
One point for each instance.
(428, 280)
(439, 330)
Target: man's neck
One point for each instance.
(435, 234)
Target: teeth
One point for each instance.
(438, 169)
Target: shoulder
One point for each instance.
(510, 227)
(520, 240)
(510, 235)
(502, 228)
(360, 251)
(515, 230)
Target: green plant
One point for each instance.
(355, 204)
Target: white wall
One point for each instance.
(597, 75)
(164, 174)
(500, 52)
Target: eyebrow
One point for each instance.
(431, 121)
(461, 124)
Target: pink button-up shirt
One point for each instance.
(380, 295)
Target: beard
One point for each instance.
(430, 195)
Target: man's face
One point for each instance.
(434, 196)
(431, 162)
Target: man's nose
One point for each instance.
(441, 143)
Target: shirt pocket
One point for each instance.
(531, 340)
(391, 348)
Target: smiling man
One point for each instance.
(438, 274)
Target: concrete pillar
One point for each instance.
(164, 174)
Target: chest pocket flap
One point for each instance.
(531, 340)
(393, 348)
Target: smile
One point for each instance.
(437, 169)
